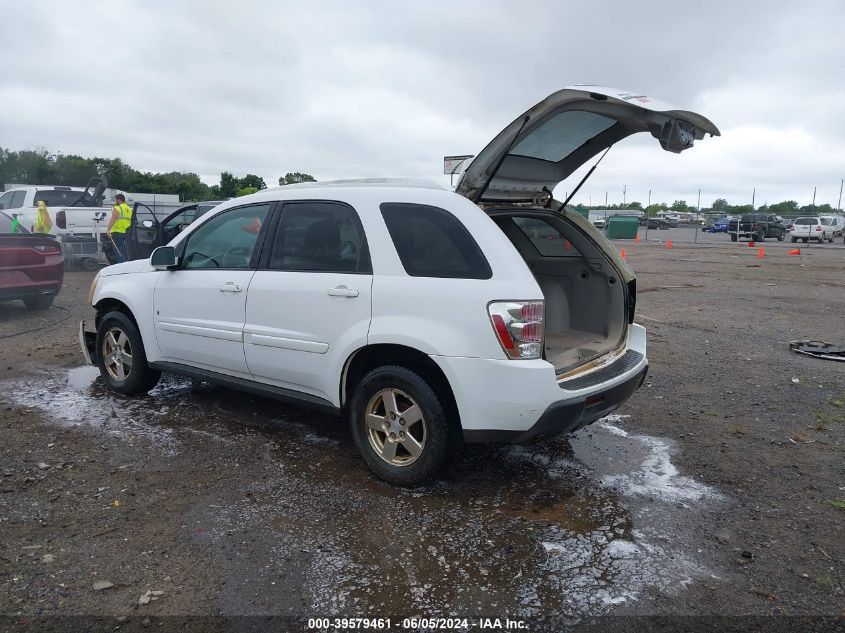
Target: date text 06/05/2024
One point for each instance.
(386, 624)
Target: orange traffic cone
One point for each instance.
(637, 239)
(623, 254)
(669, 244)
(566, 245)
(751, 244)
(760, 253)
(794, 251)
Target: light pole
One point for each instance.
(624, 194)
(839, 206)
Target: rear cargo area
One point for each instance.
(585, 298)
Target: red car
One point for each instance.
(31, 265)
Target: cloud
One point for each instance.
(381, 89)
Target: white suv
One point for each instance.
(427, 317)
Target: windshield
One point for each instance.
(6, 225)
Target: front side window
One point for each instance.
(226, 241)
(320, 237)
(548, 241)
(17, 199)
(431, 242)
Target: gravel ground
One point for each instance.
(713, 491)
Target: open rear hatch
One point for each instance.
(590, 291)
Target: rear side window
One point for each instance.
(57, 197)
(548, 241)
(320, 237)
(431, 242)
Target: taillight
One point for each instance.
(48, 250)
(519, 327)
(818, 228)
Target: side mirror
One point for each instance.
(164, 258)
(147, 224)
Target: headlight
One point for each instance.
(93, 288)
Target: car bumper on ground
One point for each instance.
(521, 401)
(87, 342)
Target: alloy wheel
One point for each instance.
(117, 354)
(395, 426)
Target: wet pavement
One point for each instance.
(584, 525)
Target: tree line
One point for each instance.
(40, 167)
(787, 208)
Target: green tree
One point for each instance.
(679, 205)
(291, 178)
(720, 205)
(245, 191)
(652, 209)
(251, 180)
(229, 185)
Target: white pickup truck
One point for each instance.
(79, 217)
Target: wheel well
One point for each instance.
(368, 358)
(104, 306)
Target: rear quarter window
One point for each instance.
(431, 242)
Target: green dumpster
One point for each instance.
(622, 227)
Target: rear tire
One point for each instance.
(395, 402)
(781, 236)
(733, 238)
(121, 357)
(40, 302)
(794, 239)
(761, 237)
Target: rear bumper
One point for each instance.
(520, 401)
(29, 290)
(565, 416)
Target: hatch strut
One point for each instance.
(583, 180)
(501, 160)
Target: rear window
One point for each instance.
(431, 242)
(548, 241)
(805, 221)
(57, 197)
(562, 134)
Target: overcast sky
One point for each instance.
(343, 90)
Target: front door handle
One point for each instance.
(342, 291)
(230, 287)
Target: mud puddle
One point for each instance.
(573, 527)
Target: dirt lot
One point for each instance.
(717, 490)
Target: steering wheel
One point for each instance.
(210, 259)
(242, 251)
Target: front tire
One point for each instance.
(733, 238)
(403, 428)
(40, 302)
(794, 239)
(121, 357)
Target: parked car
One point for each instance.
(31, 265)
(720, 226)
(428, 317)
(809, 228)
(757, 227)
(658, 223)
(600, 224)
(836, 223)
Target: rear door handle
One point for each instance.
(230, 287)
(342, 291)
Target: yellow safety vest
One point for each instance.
(43, 223)
(124, 218)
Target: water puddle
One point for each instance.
(565, 529)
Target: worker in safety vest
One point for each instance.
(121, 220)
(43, 222)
